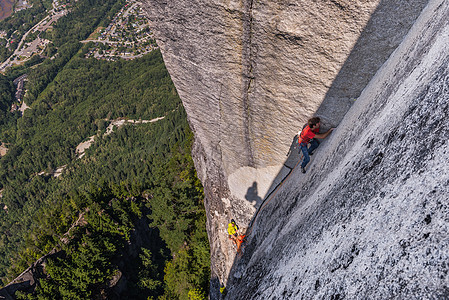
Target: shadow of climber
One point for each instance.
(252, 195)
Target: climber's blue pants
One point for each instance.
(306, 151)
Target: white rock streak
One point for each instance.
(82, 147)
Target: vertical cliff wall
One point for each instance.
(251, 72)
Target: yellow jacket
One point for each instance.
(232, 228)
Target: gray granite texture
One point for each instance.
(250, 73)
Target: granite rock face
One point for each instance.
(370, 220)
(250, 73)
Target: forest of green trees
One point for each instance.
(135, 193)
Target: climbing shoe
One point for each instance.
(303, 170)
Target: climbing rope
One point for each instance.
(269, 197)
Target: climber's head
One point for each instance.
(313, 122)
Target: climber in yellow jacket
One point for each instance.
(233, 230)
(234, 235)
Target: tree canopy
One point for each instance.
(135, 192)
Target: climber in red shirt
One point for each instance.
(309, 135)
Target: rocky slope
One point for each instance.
(250, 73)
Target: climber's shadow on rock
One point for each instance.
(252, 195)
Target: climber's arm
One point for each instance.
(323, 135)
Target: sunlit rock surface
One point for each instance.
(249, 74)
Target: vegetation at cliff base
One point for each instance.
(6, 99)
(124, 220)
(140, 171)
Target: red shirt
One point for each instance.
(307, 134)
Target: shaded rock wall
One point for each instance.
(250, 73)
